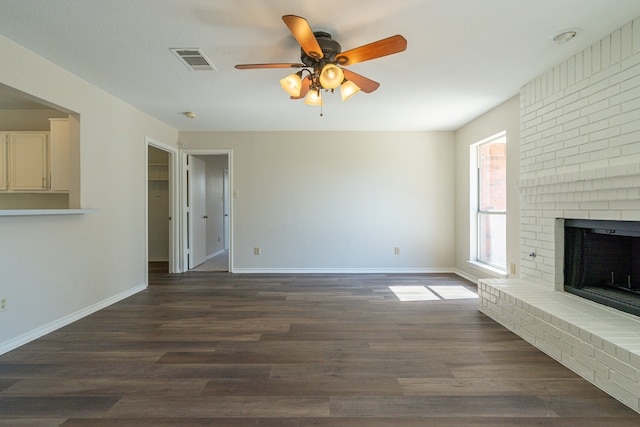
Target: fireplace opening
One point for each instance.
(602, 262)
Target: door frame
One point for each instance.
(183, 203)
(174, 236)
(226, 190)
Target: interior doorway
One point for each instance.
(207, 210)
(161, 228)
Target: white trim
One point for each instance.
(36, 212)
(490, 138)
(66, 320)
(215, 254)
(486, 268)
(343, 270)
(467, 276)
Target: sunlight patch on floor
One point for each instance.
(432, 293)
(413, 293)
(453, 292)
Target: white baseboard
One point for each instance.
(467, 276)
(456, 271)
(220, 252)
(66, 320)
(342, 270)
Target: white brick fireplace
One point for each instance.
(579, 158)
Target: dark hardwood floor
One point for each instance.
(217, 349)
(156, 267)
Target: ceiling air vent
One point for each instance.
(194, 59)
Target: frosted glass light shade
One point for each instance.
(292, 84)
(348, 89)
(314, 97)
(331, 76)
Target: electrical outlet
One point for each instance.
(3, 303)
(512, 268)
(257, 250)
(396, 250)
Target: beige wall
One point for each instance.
(334, 201)
(29, 120)
(53, 268)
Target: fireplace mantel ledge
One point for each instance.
(582, 335)
(610, 172)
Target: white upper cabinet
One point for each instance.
(36, 161)
(28, 169)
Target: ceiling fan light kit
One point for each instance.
(348, 89)
(321, 57)
(331, 76)
(292, 84)
(314, 97)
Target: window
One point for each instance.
(489, 160)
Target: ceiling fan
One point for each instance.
(323, 60)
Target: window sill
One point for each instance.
(40, 212)
(495, 272)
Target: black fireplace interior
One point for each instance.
(602, 262)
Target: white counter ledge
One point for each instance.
(40, 212)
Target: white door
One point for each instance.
(225, 207)
(198, 217)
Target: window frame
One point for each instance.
(476, 213)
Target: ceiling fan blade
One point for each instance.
(302, 32)
(365, 84)
(384, 47)
(274, 65)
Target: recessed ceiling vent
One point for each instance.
(194, 59)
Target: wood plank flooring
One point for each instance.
(219, 349)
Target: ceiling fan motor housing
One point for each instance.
(330, 48)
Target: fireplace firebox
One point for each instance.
(602, 262)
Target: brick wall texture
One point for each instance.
(579, 147)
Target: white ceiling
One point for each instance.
(463, 58)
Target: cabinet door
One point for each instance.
(3, 160)
(28, 165)
(59, 147)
